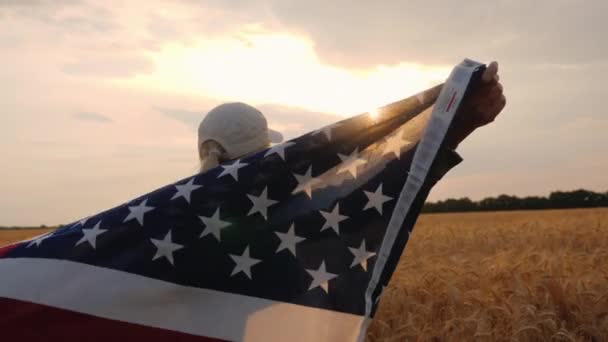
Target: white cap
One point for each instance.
(238, 127)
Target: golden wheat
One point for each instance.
(12, 235)
(500, 276)
(508, 276)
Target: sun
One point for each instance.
(283, 69)
(374, 114)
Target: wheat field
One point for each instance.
(12, 235)
(500, 276)
(497, 276)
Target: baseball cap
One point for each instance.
(239, 128)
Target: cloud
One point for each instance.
(187, 117)
(290, 121)
(295, 121)
(64, 17)
(9, 41)
(356, 35)
(78, 38)
(113, 67)
(98, 23)
(364, 34)
(553, 66)
(92, 116)
(37, 3)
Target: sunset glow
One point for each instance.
(280, 68)
(101, 100)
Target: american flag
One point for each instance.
(293, 243)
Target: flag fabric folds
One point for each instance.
(293, 243)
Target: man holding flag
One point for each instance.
(232, 130)
(292, 243)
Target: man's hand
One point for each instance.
(480, 108)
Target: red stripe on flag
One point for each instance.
(35, 322)
(4, 250)
(451, 102)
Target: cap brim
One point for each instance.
(275, 137)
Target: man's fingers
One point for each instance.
(494, 67)
(490, 72)
(496, 91)
(484, 91)
(496, 108)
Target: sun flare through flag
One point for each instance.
(293, 243)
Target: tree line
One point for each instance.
(556, 200)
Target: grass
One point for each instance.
(497, 276)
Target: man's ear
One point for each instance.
(204, 148)
(210, 147)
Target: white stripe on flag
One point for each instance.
(443, 112)
(127, 297)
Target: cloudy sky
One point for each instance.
(99, 100)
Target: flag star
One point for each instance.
(213, 224)
(279, 149)
(289, 240)
(394, 144)
(350, 163)
(320, 278)
(305, 183)
(326, 130)
(232, 169)
(376, 199)
(137, 212)
(90, 235)
(243, 263)
(38, 240)
(361, 256)
(83, 221)
(333, 219)
(165, 248)
(185, 190)
(261, 203)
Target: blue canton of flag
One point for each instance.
(293, 243)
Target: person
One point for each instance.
(480, 108)
(233, 130)
(230, 131)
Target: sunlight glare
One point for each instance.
(374, 114)
(281, 69)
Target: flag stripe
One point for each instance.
(451, 102)
(150, 302)
(424, 156)
(34, 322)
(4, 250)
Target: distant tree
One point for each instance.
(535, 202)
(575, 199)
(558, 199)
